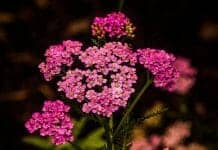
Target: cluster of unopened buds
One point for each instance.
(114, 25)
(104, 80)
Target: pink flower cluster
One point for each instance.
(187, 75)
(52, 121)
(161, 65)
(110, 68)
(172, 138)
(176, 133)
(142, 143)
(115, 24)
(58, 55)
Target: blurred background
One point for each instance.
(186, 28)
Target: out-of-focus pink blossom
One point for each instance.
(155, 140)
(176, 133)
(144, 143)
(141, 144)
(187, 75)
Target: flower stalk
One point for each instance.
(121, 3)
(111, 133)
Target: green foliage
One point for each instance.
(93, 140)
(41, 143)
(79, 124)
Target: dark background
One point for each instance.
(27, 27)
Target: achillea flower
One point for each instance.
(187, 75)
(110, 69)
(109, 61)
(161, 65)
(176, 133)
(115, 24)
(58, 55)
(52, 121)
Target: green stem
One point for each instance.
(124, 147)
(121, 3)
(108, 128)
(111, 132)
(128, 111)
(124, 143)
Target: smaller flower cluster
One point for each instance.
(161, 65)
(115, 24)
(52, 121)
(187, 75)
(58, 55)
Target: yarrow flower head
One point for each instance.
(115, 24)
(106, 83)
(52, 121)
(58, 55)
(161, 65)
(187, 75)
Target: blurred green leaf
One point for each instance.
(66, 146)
(93, 140)
(79, 124)
(41, 143)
